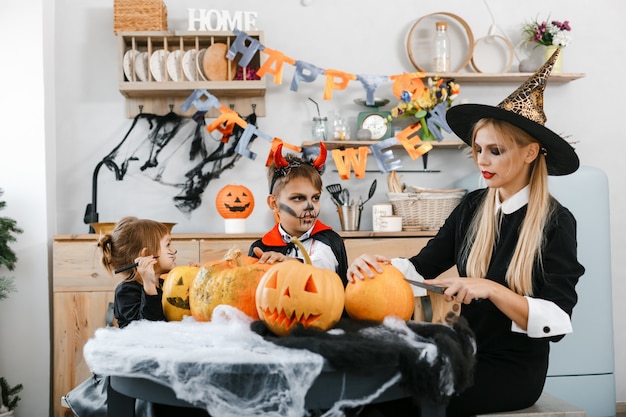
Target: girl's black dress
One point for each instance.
(511, 367)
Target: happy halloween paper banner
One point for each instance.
(346, 160)
(354, 159)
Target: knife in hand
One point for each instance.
(433, 288)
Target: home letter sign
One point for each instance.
(213, 19)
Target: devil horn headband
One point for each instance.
(283, 166)
(280, 162)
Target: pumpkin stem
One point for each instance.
(307, 258)
(234, 255)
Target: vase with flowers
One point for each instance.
(550, 33)
(427, 104)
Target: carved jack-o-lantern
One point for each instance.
(293, 293)
(175, 298)
(234, 202)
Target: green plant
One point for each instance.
(8, 230)
(8, 395)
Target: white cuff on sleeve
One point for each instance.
(408, 270)
(545, 319)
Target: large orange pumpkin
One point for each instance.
(293, 293)
(175, 298)
(234, 202)
(387, 294)
(232, 281)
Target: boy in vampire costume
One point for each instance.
(295, 185)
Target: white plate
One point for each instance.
(174, 68)
(141, 66)
(189, 65)
(128, 64)
(199, 63)
(158, 62)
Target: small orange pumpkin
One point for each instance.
(234, 202)
(232, 281)
(293, 292)
(387, 294)
(175, 298)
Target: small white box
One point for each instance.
(390, 224)
(379, 210)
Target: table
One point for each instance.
(329, 387)
(230, 368)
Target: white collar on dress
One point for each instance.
(517, 201)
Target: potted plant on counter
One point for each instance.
(8, 230)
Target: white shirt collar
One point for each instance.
(287, 238)
(514, 203)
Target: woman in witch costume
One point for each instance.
(295, 192)
(514, 246)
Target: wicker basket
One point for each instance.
(139, 15)
(425, 210)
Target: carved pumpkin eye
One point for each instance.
(310, 285)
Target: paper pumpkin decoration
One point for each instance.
(294, 293)
(175, 298)
(232, 281)
(234, 202)
(387, 294)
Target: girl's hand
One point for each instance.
(269, 257)
(364, 266)
(145, 269)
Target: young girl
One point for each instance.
(514, 246)
(295, 192)
(148, 244)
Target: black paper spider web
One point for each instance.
(165, 131)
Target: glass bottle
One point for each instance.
(320, 129)
(340, 127)
(442, 48)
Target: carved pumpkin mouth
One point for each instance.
(281, 318)
(237, 209)
(179, 302)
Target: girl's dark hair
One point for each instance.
(127, 241)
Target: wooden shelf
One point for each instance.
(338, 144)
(152, 96)
(468, 77)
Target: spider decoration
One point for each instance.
(167, 131)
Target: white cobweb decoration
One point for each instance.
(220, 365)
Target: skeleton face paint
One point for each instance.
(298, 206)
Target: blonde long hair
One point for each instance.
(484, 229)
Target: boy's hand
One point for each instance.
(269, 257)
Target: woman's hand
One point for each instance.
(364, 266)
(269, 257)
(145, 269)
(464, 290)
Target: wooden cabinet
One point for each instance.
(141, 52)
(83, 289)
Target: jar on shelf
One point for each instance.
(319, 131)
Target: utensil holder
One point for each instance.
(350, 217)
